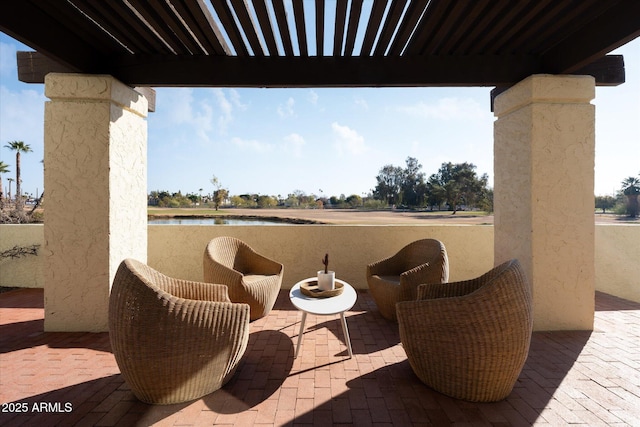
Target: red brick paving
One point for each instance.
(570, 378)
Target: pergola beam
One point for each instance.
(217, 71)
(608, 71)
(610, 30)
(33, 67)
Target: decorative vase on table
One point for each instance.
(326, 280)
(326, 277)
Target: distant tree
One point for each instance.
(18, 147)
(605, 202)
(457, 184)
(485, 201)
(10, 182)
(413, 184)
(195, 198)
(300, 199)
(220, 194)
(153, 199)
(631, 189)
(354, 201)
(389, 184)
(267, 202)
(291, 201)
(4, 168)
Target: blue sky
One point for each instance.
(319, 141)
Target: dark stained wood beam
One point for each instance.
(408, 25)
(38, 30)
(373, 26)
(338, 32)
(608, 71)
(389, 27)
(320, 28)
(301, 28)
(612, 29)
(233, 32)
(33, 67)
(266, 26)
(354, 20)
(219, 71)
(283, 26)
(248, 26)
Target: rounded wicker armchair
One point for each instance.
(397, 277)
(252, 278)
(174, 340)
(470, 340)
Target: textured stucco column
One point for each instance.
(544, 154)
(95, 184)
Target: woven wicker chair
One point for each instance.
(397, 278)
(252, 278)
(174, 340)
(470, 339)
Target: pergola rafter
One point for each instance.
(262, 43)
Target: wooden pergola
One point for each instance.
(544, 58)
(357, 43)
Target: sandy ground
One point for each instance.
(339, 216)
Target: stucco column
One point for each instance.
(95, 182)
(544, 154)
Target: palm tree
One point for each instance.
(4, 168)
(10, 181)
(18, 147)
(631, 189)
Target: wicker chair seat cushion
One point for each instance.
(394, 280)
(250, 279)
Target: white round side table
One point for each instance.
(323, 307)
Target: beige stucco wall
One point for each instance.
(544, 153)
(95, 180)
(618, 260)
(177, 250)
(28, 271)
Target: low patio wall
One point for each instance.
(27, 271)
(177, 251)
(618, 260)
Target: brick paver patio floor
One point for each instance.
(570, 378)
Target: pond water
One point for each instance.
(214, 221)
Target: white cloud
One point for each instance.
(313, 97)
(234, 96)
(179, 107)
(20, 110)
(360, 102)
(448, 109)
(8, 65)
(294, 143)
(286, 110)
(196, 111)
(226, 110)
(252, 145)
(348, 140)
